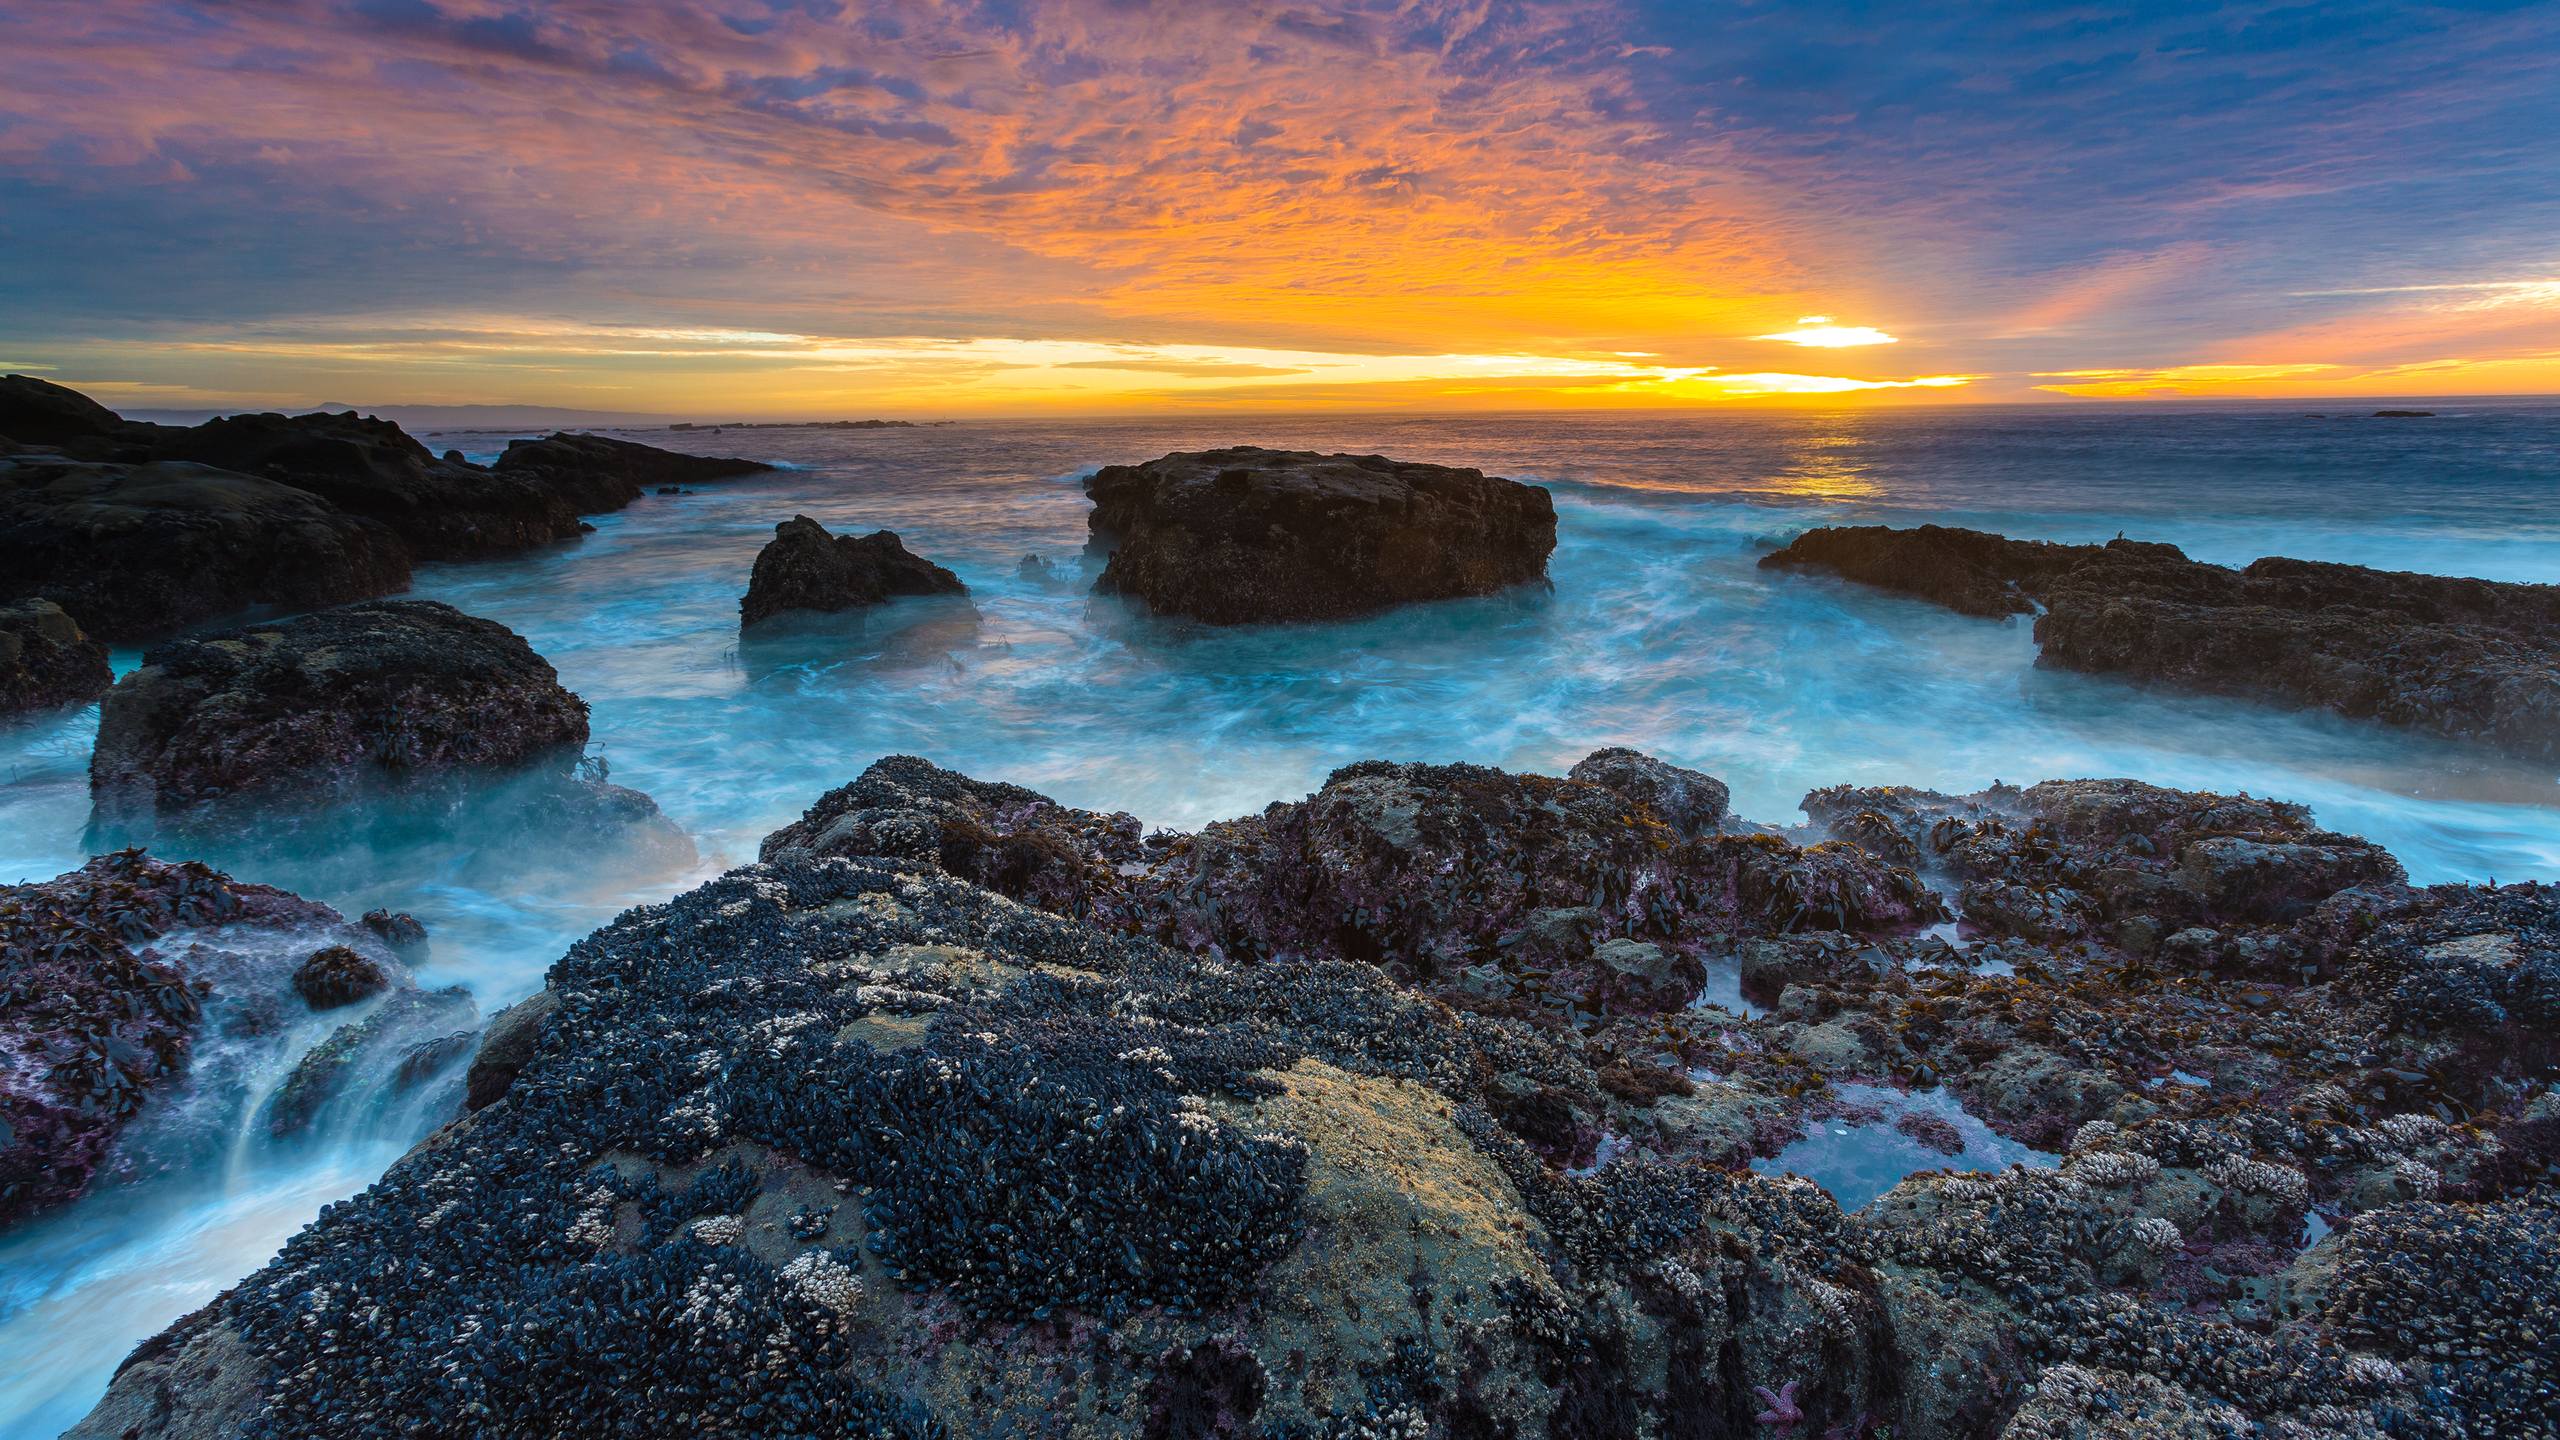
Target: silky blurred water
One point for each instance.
(1660, 632)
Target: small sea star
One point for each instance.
(1782, 1412)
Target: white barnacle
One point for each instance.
(2423, 1180)
(2157, 1235)
(822, 1280)
(2113, 1169)
(2095, 1135)
(2259, 1177)
(718, 1229)
(2372, 1372)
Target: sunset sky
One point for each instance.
(806, 208)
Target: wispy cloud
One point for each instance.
(184, 187)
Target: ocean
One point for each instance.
(1660, 632)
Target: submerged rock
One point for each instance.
(805, 568)
(403, 704)
(123, 981)
(2472, 660)
(1245, 535)
(46, 660)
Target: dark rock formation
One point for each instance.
(597, 472)
(805, 568)
(138, 529)
(441, 509)
(135, 550)
(46, 660)
(119, 979)
(399, 929)
(39, 412)
(1447, 875)
(407, 705)
(1244, 535)
(843, 1143)
(2473, 660)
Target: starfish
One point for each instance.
(1782, 1413)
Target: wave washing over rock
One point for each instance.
(964, 1112)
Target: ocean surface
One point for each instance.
(1660, 633)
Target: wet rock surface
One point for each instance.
(1245, 535)
(137, 528)
(122, 980)
(46, 660)
(2473, 660)
(805, 568)
(1260, 1132)
(278, 725)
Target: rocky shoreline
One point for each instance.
(1398, 1111)
(139, 529)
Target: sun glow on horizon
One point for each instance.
(1820, 332)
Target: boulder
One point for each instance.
(361, 700)
(1245, 535)
(805, 568)
(46, 660)
(2473, 660)
(135, 550)
(39, 412)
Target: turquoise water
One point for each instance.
(1660, 633)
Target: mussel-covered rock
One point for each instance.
(1429, 870)
(1244, 534)
(805, 568)
(853, 1147)
(130, 977)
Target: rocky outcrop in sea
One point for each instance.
(1246, 535)
(966, 1112)
(803, 568)
(137, 529)
(279, 725)
(2473, 660)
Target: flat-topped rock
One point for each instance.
(136, 550)
(340, 704)
(1244, 534)
(46, 660)
(598, 472)
(2473, 660)
(805, 568)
